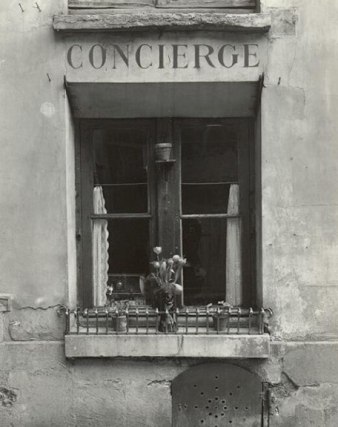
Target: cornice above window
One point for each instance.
(163, 21)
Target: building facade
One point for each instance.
(244, 94)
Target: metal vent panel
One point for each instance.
(217, 395)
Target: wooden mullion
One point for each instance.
(244, 189)
(178, 176)
(167, 194)
(121, 216)
(78, 207)
(252, 213)
(152, 188)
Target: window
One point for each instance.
(200, 204)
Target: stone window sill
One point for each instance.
(157, 345)
(163, 21)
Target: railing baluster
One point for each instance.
(238, 319)
(261, 321)
(229, 319)
(166, 320)
(96, 322)
(107, 319)
(127, 320)
(67, 314)
(250, 319)
(117, 321)
(186, 320)
(207, 314)
(87, 325)
(137, 318)
(156, 322)
(78, 321)
(147, 320)
(197, 318)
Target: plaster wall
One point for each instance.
(38, 387)
(299, 171)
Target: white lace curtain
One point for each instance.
(233, 250)
(100, 247)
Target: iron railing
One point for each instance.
(142, 320)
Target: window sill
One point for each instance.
(156, 345)
(168, 21)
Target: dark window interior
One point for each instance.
(118, 156)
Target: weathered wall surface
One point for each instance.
(38, 387)
(299, 169)
(33, 260)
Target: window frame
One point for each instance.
(158, 212)
(233, 6)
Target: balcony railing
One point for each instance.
(142, 320)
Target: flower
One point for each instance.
(167, 273)
(156, 264)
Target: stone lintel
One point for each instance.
(201, 346)
(164, 21)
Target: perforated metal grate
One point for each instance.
(216, 395)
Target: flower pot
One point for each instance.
(163, 151)
(120, 323)
(220, 322)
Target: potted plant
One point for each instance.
(161, 288)
(222, 316)
(118, 309)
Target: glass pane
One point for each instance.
(204, 246)
(205, 198)
(125, 198)
(120, 168)
(209, 167)
(128, 246)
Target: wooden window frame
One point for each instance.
(164, 184)
(231, 6)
